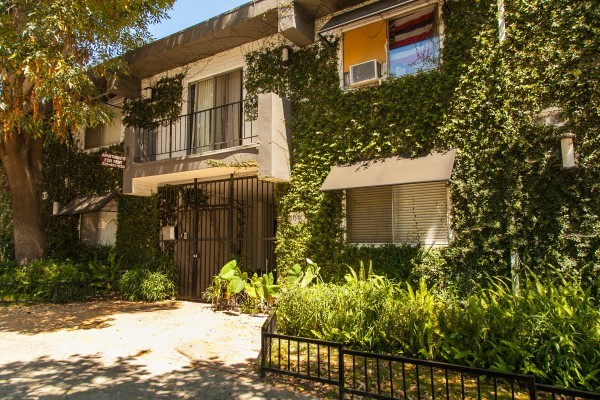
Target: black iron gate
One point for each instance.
(206, 224)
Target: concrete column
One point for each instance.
(295, 26)
(274, 137)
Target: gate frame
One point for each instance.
(258, 243)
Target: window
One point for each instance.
(104, 134)
(216, 107)
(400, 45)
(98, 228)
(415, 213)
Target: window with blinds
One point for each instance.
(104, 134)
(369, 212)
(415, 213)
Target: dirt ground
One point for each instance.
(129, 350)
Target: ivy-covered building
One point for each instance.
(332, 129)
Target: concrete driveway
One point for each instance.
(124, 350)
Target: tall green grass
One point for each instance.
(151, 281)
(550, 329)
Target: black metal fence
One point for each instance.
(379, 376)
(217, 128)
(57, 292)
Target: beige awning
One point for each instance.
(433, 167)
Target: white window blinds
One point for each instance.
(409, 213)
(369, 215)
(421, 213)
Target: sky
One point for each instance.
(186, 13)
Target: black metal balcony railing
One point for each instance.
(216, 128)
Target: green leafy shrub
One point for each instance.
(401, 262)
(550, 329)
(141, 284)
(233, 288)
(50, 280)
(392, 261)
(151, 281)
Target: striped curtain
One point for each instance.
(411, 28)
(413, 43)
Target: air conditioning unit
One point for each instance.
(365, 73)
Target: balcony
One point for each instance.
(200, 132)
(210, 144)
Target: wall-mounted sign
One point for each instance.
(297, 218)
(167, 232)
(112, 160)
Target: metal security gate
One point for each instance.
(214, 222)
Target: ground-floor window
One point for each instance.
(414, 213)
(98, 228)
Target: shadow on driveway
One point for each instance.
(41, 318)
(123, 350)
(85, 377)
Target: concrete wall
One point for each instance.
(274, 135)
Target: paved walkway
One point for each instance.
(122, 350)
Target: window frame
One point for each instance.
(191, 94)
(347, 224)
(97, 218)
(386, 16)
(116, 118)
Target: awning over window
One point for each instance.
(87, 203)
(361, 13)
(433, 167)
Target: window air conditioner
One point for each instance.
(364, 73)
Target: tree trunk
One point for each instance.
(22, 158)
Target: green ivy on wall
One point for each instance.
(7, 247)
(137, 230)
(164, 104)
(68, 173)
(508, 192)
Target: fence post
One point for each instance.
(531, 384)
(341, 369)
(263, 358)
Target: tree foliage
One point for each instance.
(58, 58)
(51, 51)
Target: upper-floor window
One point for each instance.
(405, 43)
(216, 112)
(104, 134)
